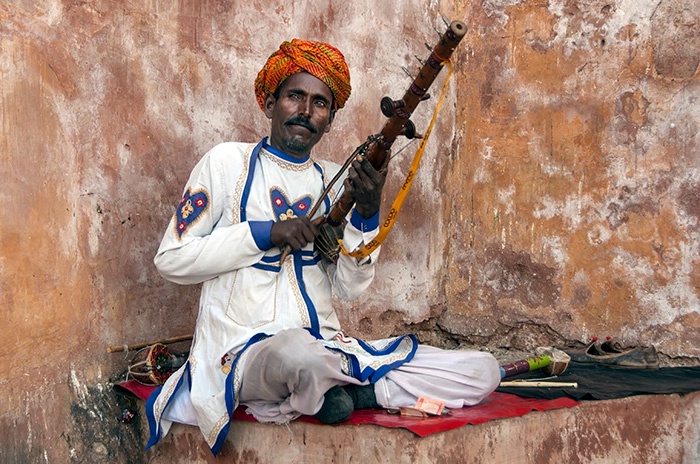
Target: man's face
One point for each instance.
(300, 115)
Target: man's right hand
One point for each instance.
(297, 233)
(365, 184)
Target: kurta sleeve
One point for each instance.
(353, 276)
(198, 245)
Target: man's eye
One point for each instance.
(321, 103)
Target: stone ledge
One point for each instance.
(646, 429)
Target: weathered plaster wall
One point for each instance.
(557, 200)
(575, 198)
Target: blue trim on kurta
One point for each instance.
(154, 426)
(249, 179)
(354, 370)
(261, 233)
(369, 373)
(326, 200)
(362, 224)
(271, 263)
(267, 267)
(282, 155)
(375, 374)
(299, 272)
(230, 393)
(388, 349)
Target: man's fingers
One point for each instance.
(303, 236)
(297, 233)
(364, 175)
(309, 234)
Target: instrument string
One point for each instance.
(390, 220)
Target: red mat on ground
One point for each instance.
(496, 406)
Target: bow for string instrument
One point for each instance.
(377, 147)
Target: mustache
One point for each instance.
(300, 120)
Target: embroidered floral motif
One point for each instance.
(284, 210)
(191, 208)
(226, 361)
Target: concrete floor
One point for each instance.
(641, 429)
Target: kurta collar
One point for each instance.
(282, 155)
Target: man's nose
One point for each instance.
(305, 107)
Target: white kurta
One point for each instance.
(220, 236)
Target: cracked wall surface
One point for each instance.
(557, 198)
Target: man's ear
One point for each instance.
(270, 101)
(330, 122)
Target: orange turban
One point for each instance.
(317, 58)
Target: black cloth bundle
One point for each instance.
(600, 382)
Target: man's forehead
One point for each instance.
(307, 83)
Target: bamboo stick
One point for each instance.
(525, 383)
(137, 346)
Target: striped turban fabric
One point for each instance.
(319, 59)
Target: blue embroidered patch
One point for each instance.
(283, 210)
(191, 208)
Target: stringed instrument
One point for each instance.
(377, 147)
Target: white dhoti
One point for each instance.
(287, 375)
(457, 377)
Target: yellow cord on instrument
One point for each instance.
(368, 248)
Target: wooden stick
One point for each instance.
(137, 346)
(525, 383)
